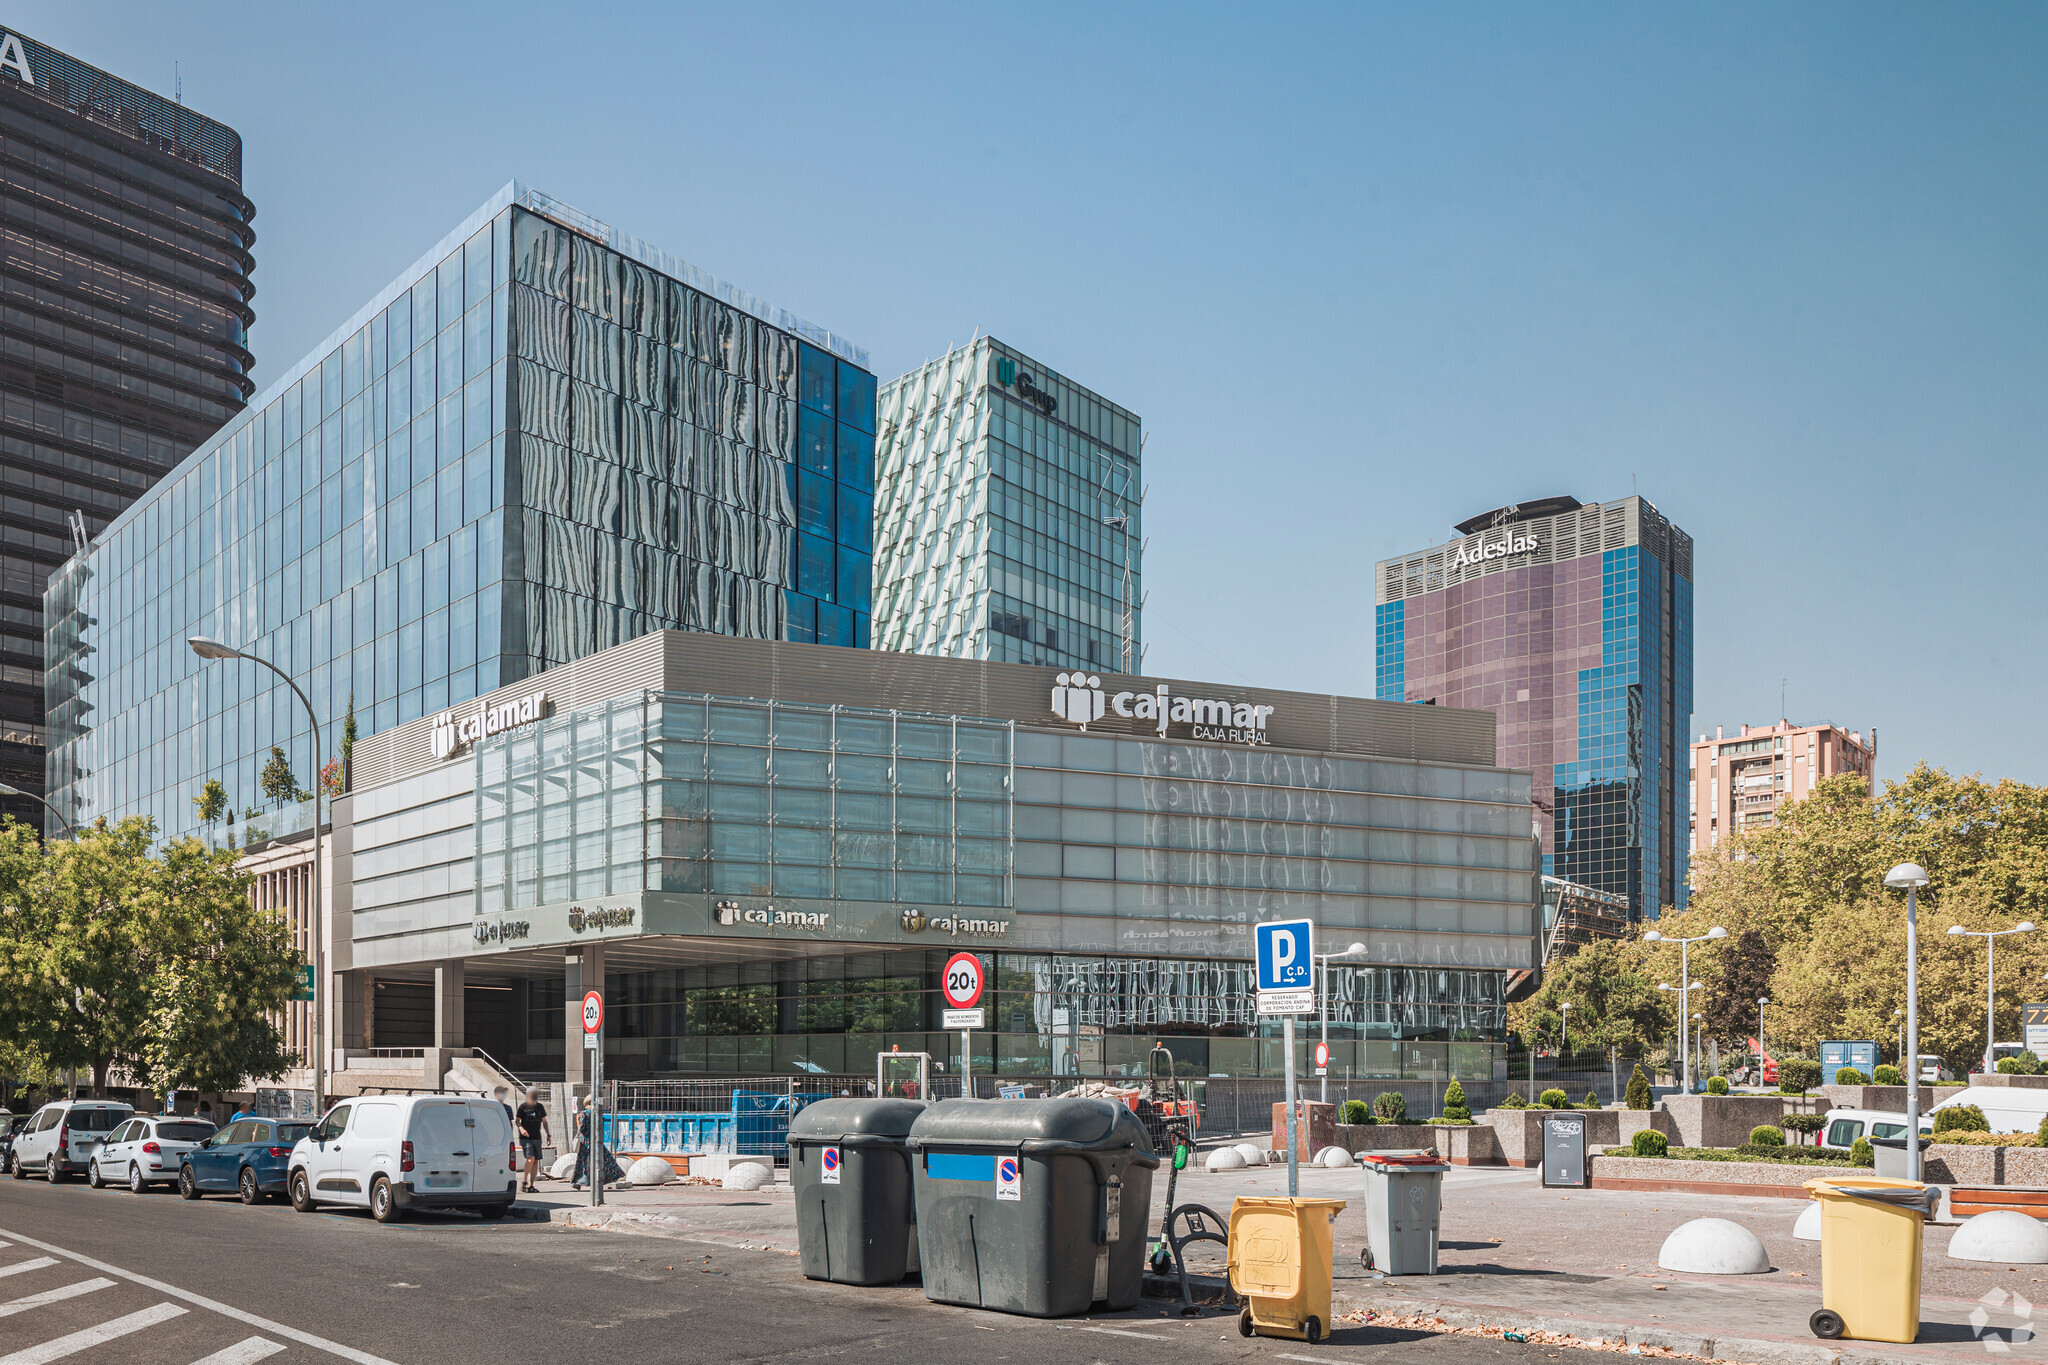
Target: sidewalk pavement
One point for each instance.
(1513, 1256)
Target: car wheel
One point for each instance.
(383, 1206)
(188, 1188)
(302, 1193)
(92, 1175)
(15, 1168)
(136, 1184)
(53, 1170)
(248, 1189)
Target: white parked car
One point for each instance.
(1844, 1126)
(391, 1153)
(144, 1151)
(64, 1136)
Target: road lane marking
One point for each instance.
(1106, 1331)
(318, 1343)
(37, 1264)
(255, 1348)
(71, 1345)
(69, 1291)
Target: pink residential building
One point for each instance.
(1740, 780)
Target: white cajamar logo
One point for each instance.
(1078, 698)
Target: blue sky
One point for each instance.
(1364, 271)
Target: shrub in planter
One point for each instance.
(1887, 1075)
(1446, 1121)
(1554, 1098)
(1638, 1095)
(1797, 1075)
(2026, 1064)
(1717, 1085)
(1764, 1135)
(1861, 1153)
(1455, 1108)
(1804, 1124)
(2041, 1138)
(1848, 1075)
(1649, 1142)
(1357, 1112)
(1391, 1106)
(1965, 1118)
(1592, 1101)
(1514, 1101)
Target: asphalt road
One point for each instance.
(103, 1275)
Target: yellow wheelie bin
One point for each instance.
(1870, 1234)
(1280, 1263)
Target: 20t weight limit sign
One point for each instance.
(963, 981)
(593, 1013)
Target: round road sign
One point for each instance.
(593, 1012)
(962, 982)
(1322, 1056)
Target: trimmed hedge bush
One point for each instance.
(1805, 1125)
(1592, 1100)
(2026, 1064)
(1717, 1085)
(1638, 1094)
(1649, 1142)
(1514, 1101)
(1390, 1105)
(2041, 1137)
(1797, 1075)
(1848, 1075)
(1455, 1109)
(1965, 1118)
(1886, 1074)
(1764, 1135)
(1357, 1112)
(1861, 1153)
(1554, 1098)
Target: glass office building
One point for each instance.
(125, 263)
(1008, 516)
(766, 852)
(544, 438)
(1573, 624)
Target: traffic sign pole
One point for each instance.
(1284, 953)
(961, 985)
(593, 1042)
(1293, 1162)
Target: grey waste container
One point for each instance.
(1889, 1156)
(1032, 1206)
(849, 1167)
(1403, 1204)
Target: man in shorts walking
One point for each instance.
(532, 1120)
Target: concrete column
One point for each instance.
(582, 970)
(448, 1032)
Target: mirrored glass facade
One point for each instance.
(537, 442)
(1008, 516)
(1575, 628)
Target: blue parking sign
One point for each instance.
(1286, 954)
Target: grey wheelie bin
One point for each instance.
(1403, 1204)
(856, 1222)
(1032, 1206)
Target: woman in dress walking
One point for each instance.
(612, 1171)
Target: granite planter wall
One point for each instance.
(1732, 1177)
(1519, 1132)
(1886, 1099)
(1948, 1164)
(1721, 1120)
(1633, 1121)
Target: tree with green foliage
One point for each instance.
(1391, 1106)
(1961, 1118)
(278, 781)
(1797, 1075)
(1614, 1000)
(1848, 1075)
(1455, 1109)
(1717, 1085)
(348, 745)
(1638, 1093)
(1740, 972)
(1554, 1098)
(1861, 1152)
(1806, 1125)
(1357, 1112)
(1886, 1074)
(212, 802)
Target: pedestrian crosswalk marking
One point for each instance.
(69, 1291)
(37, 1264)
(63, 1346)
(242, 1352)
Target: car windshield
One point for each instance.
(96, 1120)
(292, 1132)
(184, 1132)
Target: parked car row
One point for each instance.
(386, 1153)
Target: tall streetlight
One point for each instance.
(1564, 1030)
(1352, 951)
(1912, 877)
(1761, 1001)
(6, 790)
(1699, 1041)
(1990, 937)
(1684, 994)
(214, 649)
(1685, 979)
(1899, 1026)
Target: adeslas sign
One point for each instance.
(1479, 554)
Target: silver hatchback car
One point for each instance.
(144, 1151)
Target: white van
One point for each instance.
(1844, 1126)
(2008, 1109)
(391, 1153)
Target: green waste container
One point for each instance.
(849, 1167)
(1037, 1207)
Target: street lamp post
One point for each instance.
(1912, 877)
(6, 790)
(1684, 994)
(1564, 1031)
(1699, 1038)
(214, 649)
(1899, 1027)
(1352, 951)
(1685, 984)
(1990, 937)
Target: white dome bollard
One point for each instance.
(746, 1176)
(1224, 1159)
(1253, 1154)
(1713, 1246)
(1807, 1229)
(1334, 1158)
(650, 1170)
(564, 1167)
(2000, 1235)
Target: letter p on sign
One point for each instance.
(1284, 950)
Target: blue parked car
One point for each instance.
(247, 1158)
